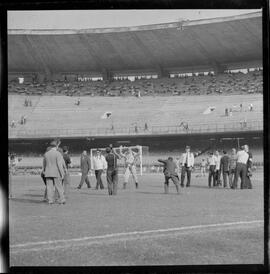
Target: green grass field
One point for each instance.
(138, 226)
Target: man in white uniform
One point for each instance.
(130, 159)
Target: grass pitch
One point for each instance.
(138, 226)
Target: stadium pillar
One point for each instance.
(219, 69)
(106, 75)
(162, 73)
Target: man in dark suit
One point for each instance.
(112, 170)
(66, 181)
(170, 173)
(54, 173)
(224, 167)
(85, 167)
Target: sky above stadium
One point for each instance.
(85, 19)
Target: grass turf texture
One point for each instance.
(182, 229)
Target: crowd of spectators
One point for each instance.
(226, 83)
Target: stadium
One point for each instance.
(161, 87)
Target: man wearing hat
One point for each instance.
(187, 165)
(54, 173)
(112, 170)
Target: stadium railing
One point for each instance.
(154, 130)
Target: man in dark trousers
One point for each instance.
(112, 170)
(212, 162)
(170, 173)
(54, 173)
(187, 165)
(241, 167)
(224, 167)
(85, 167)
(248, 183)
(66, 181)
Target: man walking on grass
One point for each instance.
(54, 173)
(85, 167)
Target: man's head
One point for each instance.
(65, 149)
(84, 153)
(224, 152)
(233, 151)
(170, 158)
(53, 143)
(187, 148)
(98, 152)
(217, 153)
(246, 148)
(108, 150)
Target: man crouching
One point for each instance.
(170, 173)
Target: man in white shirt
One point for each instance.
(99, 165)
(241, 167)
(217, 177)
(187, 165)
(212, 162)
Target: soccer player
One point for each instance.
(130, 160)
(170, 173)
(187, 165)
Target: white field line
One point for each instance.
(52, 244)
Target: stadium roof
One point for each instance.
(205, 43)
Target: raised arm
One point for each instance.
(162, 161)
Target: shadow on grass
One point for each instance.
(20, 200)
(33, 195)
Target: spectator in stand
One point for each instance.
(85, 167)
(145, 127)
(250, 107)
(187, 165)
(136, 129)
(13, 124)
(218, 170)
(212, 162)
(241, 167)
(99, 165)
(226, 112)
(241, 107)
(232, 167)
(224, 167)
(170, 173)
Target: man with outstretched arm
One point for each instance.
(170, 173)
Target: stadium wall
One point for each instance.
(156, 143)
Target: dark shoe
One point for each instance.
(136, 185)
(124, 185)
(78, 187)
(187, 185)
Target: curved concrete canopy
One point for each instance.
(200, 43)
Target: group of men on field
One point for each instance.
(233, 166)
(56, 176)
